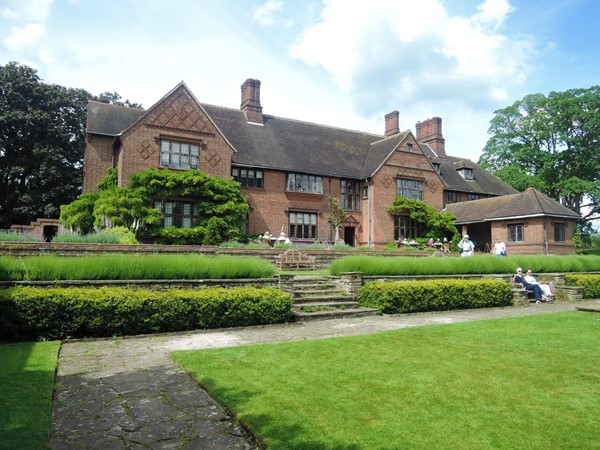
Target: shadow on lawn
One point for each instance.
(271, 430)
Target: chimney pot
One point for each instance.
(392, 123)
(251, 101)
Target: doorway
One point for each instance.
(349, 236)
(50, 232)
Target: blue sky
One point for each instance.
(344, 63)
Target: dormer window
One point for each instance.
(436, 167)
(466, 173)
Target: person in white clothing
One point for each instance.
(545, 287)
(499, 248)
(466, 246)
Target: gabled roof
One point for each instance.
(483, 182)
(110, 120)
(531, 203)
(380, 151)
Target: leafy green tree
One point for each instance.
(124, 207)
(79, 214)
(42, 129)
(335, 219)
(42, 141)
(553, 144)
(222, 209)
(436, 225)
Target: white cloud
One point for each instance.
(27, 10)
(25, 37)
(493, 12)
(268, 14)
(417, 58)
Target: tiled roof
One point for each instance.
(292, 145)
(379, 151)
(110, 120)
(483, 182)
(531, 203)
(286, 144)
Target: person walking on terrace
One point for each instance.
(466, 246)
(535, 288)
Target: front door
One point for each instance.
(349, 236)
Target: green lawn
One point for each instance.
(530, 382)
(26, 382)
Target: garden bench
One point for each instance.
(295, 259)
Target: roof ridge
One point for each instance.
(296, 120)
(113, 105)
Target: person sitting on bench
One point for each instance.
(535, 288)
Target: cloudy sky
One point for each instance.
(343, 63)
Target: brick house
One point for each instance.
(288, 169)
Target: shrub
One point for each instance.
(589, 282)
(30, 313)
(11, 236)
(479, 264)
(102, 237)
(435, 295)
(132, 267)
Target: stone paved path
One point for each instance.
(126, 393)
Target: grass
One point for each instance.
(479, 264)
(132, 267)
(529, 382)
(26, 382)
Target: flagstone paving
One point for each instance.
(126, 393)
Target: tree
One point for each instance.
(221, 208)
(42, 141)
(42, 130)
(338, 215)
(553, 144)
(436, 225)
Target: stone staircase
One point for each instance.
(318, 298)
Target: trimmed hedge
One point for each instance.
(435, 295)
(31, 313)
(589, 282)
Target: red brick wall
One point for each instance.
(97, 160)
(177, 118)
(535, 238)
(402, 164)
(270, 206)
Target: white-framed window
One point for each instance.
(411, 189)
(467, 174)
(176, 213)
(179, 155)
(301, 182)
(516, 233)
(253, 178)
(350, 195)
(560, 234)
(303, 225)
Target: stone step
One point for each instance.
(327, 306)
(336, 314)
(313, 286)
(321, 299)
(302, 292)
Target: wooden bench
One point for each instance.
(295, 259)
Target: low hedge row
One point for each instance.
(589, 282)
(435, 295)
(31, 313)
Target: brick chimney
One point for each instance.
(430, 132)
(251, 101)
(392, 124)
